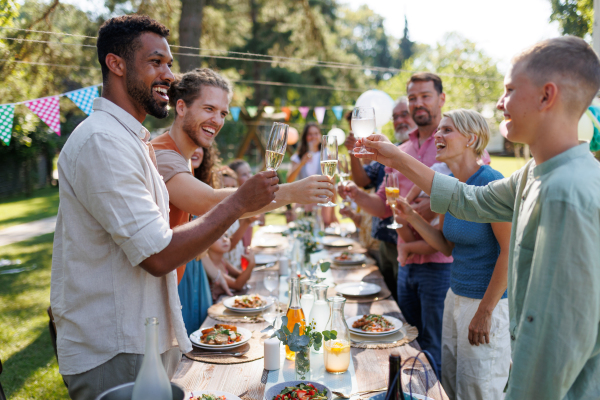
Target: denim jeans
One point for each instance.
(422, 290)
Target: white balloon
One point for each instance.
(585, 128)
(381, 102)
(341, 135)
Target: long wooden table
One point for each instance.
(247, 380)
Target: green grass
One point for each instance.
(19, 210)
(506, 165)
(30, 367)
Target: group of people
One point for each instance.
(145, 230)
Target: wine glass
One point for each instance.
(344, 174)
(329, 160)
(271, 281)
(392, 192)
(276, 146)
(363, 124)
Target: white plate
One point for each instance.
(337, 229)
(262, 259)
(336, 241)
(274, 229)
(195, 338)
(227, 395)
(358, 289)
(395, 321)
(357, 258)
(228, 303)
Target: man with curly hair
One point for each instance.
(114, 254)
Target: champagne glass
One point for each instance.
(276, 146)
(363, 124)
(329, 160)
(392, 192)
(344, 174)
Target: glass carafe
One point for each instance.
(294, 313)
(307, 296)
(337, 351)
(319, 314)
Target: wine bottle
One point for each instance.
(152, 381)
(395, 384)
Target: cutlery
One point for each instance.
(241, 353)
(347, 396)
(245, 318)
(374, 341)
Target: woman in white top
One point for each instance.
(307, 161)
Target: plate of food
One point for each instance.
(212, 395)
(298, 390)
(407, 396)
(336, 241)
(247, 304)
(220, 336)
(348, 258)
(374, 324)
(262, 259)
(358, 289)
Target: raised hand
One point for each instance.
(348, 190)
(258, 191)
(350, 141)
(384, 151)
(313, 189)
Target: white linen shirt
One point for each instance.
(113, 214)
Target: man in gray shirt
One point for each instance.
(114, 255)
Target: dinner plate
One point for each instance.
(278, 387)
(266, 243)
(274, 229)
(195, 338)
(358, 289)
(228, 303)
(407, 396)
(262, 259)
(356, 258)
(395, 321)
(336, 241)
(337, 229)
(228, 396)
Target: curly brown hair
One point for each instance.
(210, 162)
(187, 86)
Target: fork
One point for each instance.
(347, 396)
(241, 353)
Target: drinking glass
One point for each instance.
(276, 146)
(271, 281)
(344, 174)
(392, 192)
(363, 124)
(329, 160)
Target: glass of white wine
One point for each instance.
(329, 160)
(276, 146)
(363, 124)
(344, 174)
(392, 192)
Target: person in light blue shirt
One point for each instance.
(554, 205)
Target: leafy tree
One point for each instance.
(406, 47)
(575, 16)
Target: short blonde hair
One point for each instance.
(571, 62)
(470, 123)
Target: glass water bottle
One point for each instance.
(294, 313)
(152, 382)
(337, 351)
(319, 313)
(307, 296)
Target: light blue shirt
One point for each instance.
(554, 269)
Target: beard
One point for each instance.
(401, 134)
(422, 120)
(143, 96)
(192, 129)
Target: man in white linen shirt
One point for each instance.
(114, 255)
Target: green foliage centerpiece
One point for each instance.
(301, 343)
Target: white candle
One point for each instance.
(284, 266)
(272, 354)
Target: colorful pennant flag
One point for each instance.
(304, 111)
(7, 114)
(320, 114)
(48, 110)
(287, 112)
(235, 113)
(252, 111)
(338, 111)
(84, 98)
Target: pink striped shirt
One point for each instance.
(426, 154)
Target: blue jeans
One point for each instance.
(195, 296)
(422, 290)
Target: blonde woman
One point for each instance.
(475, 334)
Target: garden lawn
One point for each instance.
(30, 370)
(19, 210)
(507, 165)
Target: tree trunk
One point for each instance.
(190, 30)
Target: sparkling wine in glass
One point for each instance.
(363, 124)
(392, 192)
(344, 174)
(329, 160)
(276, 146)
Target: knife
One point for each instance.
(375, 341)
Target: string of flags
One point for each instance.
(48, 110)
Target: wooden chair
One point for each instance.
(2, 395)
